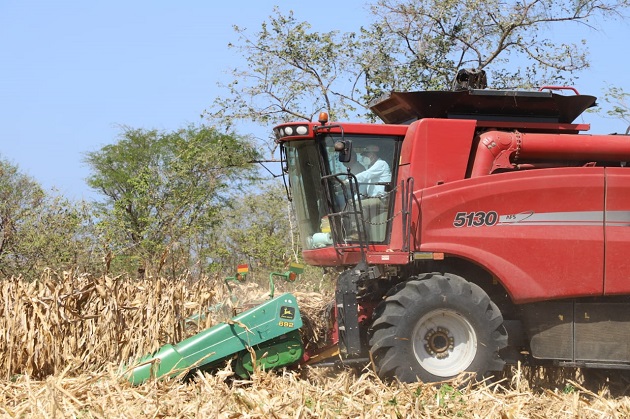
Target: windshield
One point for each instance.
(309, 200)
(324, 200)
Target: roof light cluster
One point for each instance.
(291, 131)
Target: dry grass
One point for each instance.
(297, 394)
(65, 339)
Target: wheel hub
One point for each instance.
(444, 342)
(439, 342)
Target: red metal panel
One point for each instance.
(388, 258)
(539, 232)
(617, 269)
(435, 151)
(328, 256)
(376, 254)
(438, 150)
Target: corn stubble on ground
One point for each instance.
(65, 337)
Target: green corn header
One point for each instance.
(266, 336)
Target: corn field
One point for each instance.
(66, 338)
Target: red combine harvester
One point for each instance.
(475, 227)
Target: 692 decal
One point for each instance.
(475, 219)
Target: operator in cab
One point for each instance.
(353, 165)
(374, 198)
(377, 171)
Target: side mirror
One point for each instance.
(344, 149)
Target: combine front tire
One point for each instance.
(435, 328)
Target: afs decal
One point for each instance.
(569, 218)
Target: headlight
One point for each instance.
(291, 130)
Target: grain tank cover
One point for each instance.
(481, 104)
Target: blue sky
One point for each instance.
(72, 72)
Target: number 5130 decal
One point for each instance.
(475, 219)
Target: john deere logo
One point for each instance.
(287, 312)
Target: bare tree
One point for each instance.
(510, 39)
(294, 73)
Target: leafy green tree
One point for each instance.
(258, 230)
(19, 195)
(293, 72)
(59, 235)
(40, 230)
(164, 192)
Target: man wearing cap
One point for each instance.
(377, 172)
